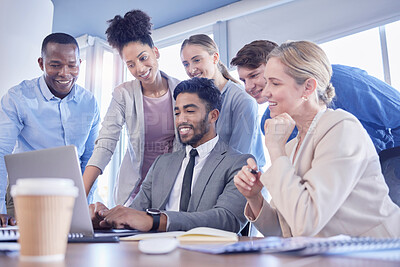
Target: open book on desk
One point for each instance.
(199, 234)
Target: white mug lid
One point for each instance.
(44, 186)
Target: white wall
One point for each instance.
(23, 26)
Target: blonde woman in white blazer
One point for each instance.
(328, 180)
(145, 106)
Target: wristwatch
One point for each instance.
(156, 214)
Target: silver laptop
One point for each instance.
(58, 162)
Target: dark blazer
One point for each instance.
(215, 201)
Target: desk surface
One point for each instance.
(127, 254)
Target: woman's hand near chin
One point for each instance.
(277, 132)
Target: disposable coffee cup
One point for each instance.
(43, 208)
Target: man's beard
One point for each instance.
(204, 127)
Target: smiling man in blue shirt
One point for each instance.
(49, 111)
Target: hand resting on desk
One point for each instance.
(119, 217)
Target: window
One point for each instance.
(364, 50)
(360, 50)
(99, 74)
(393, 43)
(170, 62)
(107, 73)
(82, 73)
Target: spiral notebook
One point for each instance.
(386, 248)
(9, 233)
(62, 162)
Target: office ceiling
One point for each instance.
(78, 17)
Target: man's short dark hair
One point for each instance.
(254, 54)
(204, 88)
(58, 38)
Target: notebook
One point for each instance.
(62, 162)
(308, 246)
(198, 234)
(9, 233)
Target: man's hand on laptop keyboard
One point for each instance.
(122, 217)
(95, 211)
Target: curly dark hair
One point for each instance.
(204, 88)
(254, 54)
(135, 26)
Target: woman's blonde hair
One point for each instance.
(304, 60)
(211, 47)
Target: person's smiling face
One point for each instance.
(60, 64)
(282, 91)
(198, 62)
(254, 81)
(141, 61)
(192, 120)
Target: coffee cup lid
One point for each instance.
(44, 186)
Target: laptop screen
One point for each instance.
(59, 162)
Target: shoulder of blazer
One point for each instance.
(128, 90)
(172, 81)
(332, 117)
(220, 148)
(172, 156)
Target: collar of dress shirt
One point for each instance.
(48, 95)
(203, 149)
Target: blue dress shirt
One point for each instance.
(32, 118)
(375, 104)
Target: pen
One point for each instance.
(252, 171)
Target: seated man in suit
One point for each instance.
(169, 199)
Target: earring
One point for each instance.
(304, 98)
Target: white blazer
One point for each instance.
(335, 187)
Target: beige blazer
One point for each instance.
(336, 186)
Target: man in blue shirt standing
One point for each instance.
(49, 111)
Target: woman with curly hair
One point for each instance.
(144, 106)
